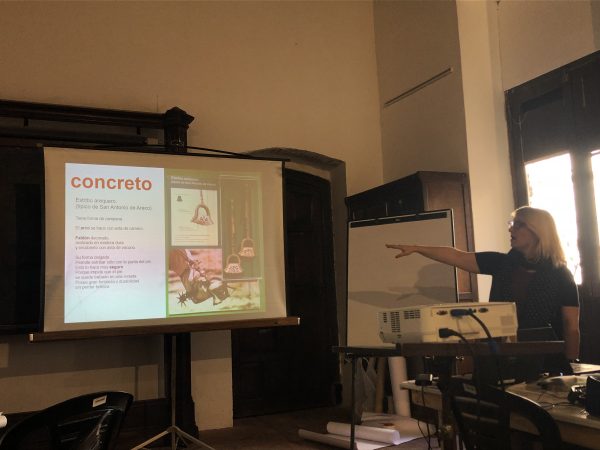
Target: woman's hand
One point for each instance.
(405, 250)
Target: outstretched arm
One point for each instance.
(446, 255)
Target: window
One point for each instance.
(554, 131)
(550, 187)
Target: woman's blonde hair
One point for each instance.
(541, 223)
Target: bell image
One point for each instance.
(202, 213)
(247, 248)
(233, 265)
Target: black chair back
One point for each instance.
(483, 418)
(87, 422)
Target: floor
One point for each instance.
(280, 431)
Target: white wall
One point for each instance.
(487, 139)
(458, 123)
(253, 74)
(595, 6)
(538, 36)
(417, 40)
(36, 375)
(211, 378)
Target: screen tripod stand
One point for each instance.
(178, 436)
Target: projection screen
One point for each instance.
(136, 239)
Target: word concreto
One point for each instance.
(111, 183)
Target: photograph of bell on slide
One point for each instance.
(214, 260)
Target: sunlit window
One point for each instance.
(550, 188)
(596, 172)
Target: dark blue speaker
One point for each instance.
(592, 395)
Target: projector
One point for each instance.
(422, 323)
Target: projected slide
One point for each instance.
(111, 215)
(143, 239)
(146, 242)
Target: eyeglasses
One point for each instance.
(516, 224)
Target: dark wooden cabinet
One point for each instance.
(424, 191)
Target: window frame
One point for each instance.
(553, 114)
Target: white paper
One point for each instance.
(329, 439)
(385, 430)
(398, 375)
(407, 427)
(388, 436)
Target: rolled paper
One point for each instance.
(385, 435)
(398, 375)
(329, 439)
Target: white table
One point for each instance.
(575, 424)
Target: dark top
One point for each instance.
(539, 290)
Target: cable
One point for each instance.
(170, 149)
(428, 436)
(447, 332)
(223, 152)
(461, 312)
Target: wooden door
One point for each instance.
(287, 368)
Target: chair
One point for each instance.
(482, 415)
(87, 422)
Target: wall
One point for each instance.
(458, 123)
(595, 7)
(35, 375)
(455, 124)
(487, 138)
(211, 379)
(426, 131)
(253, 74)
(538, 36)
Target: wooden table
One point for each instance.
(445, 354)
(575, 424)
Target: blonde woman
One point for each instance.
(533, 274)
